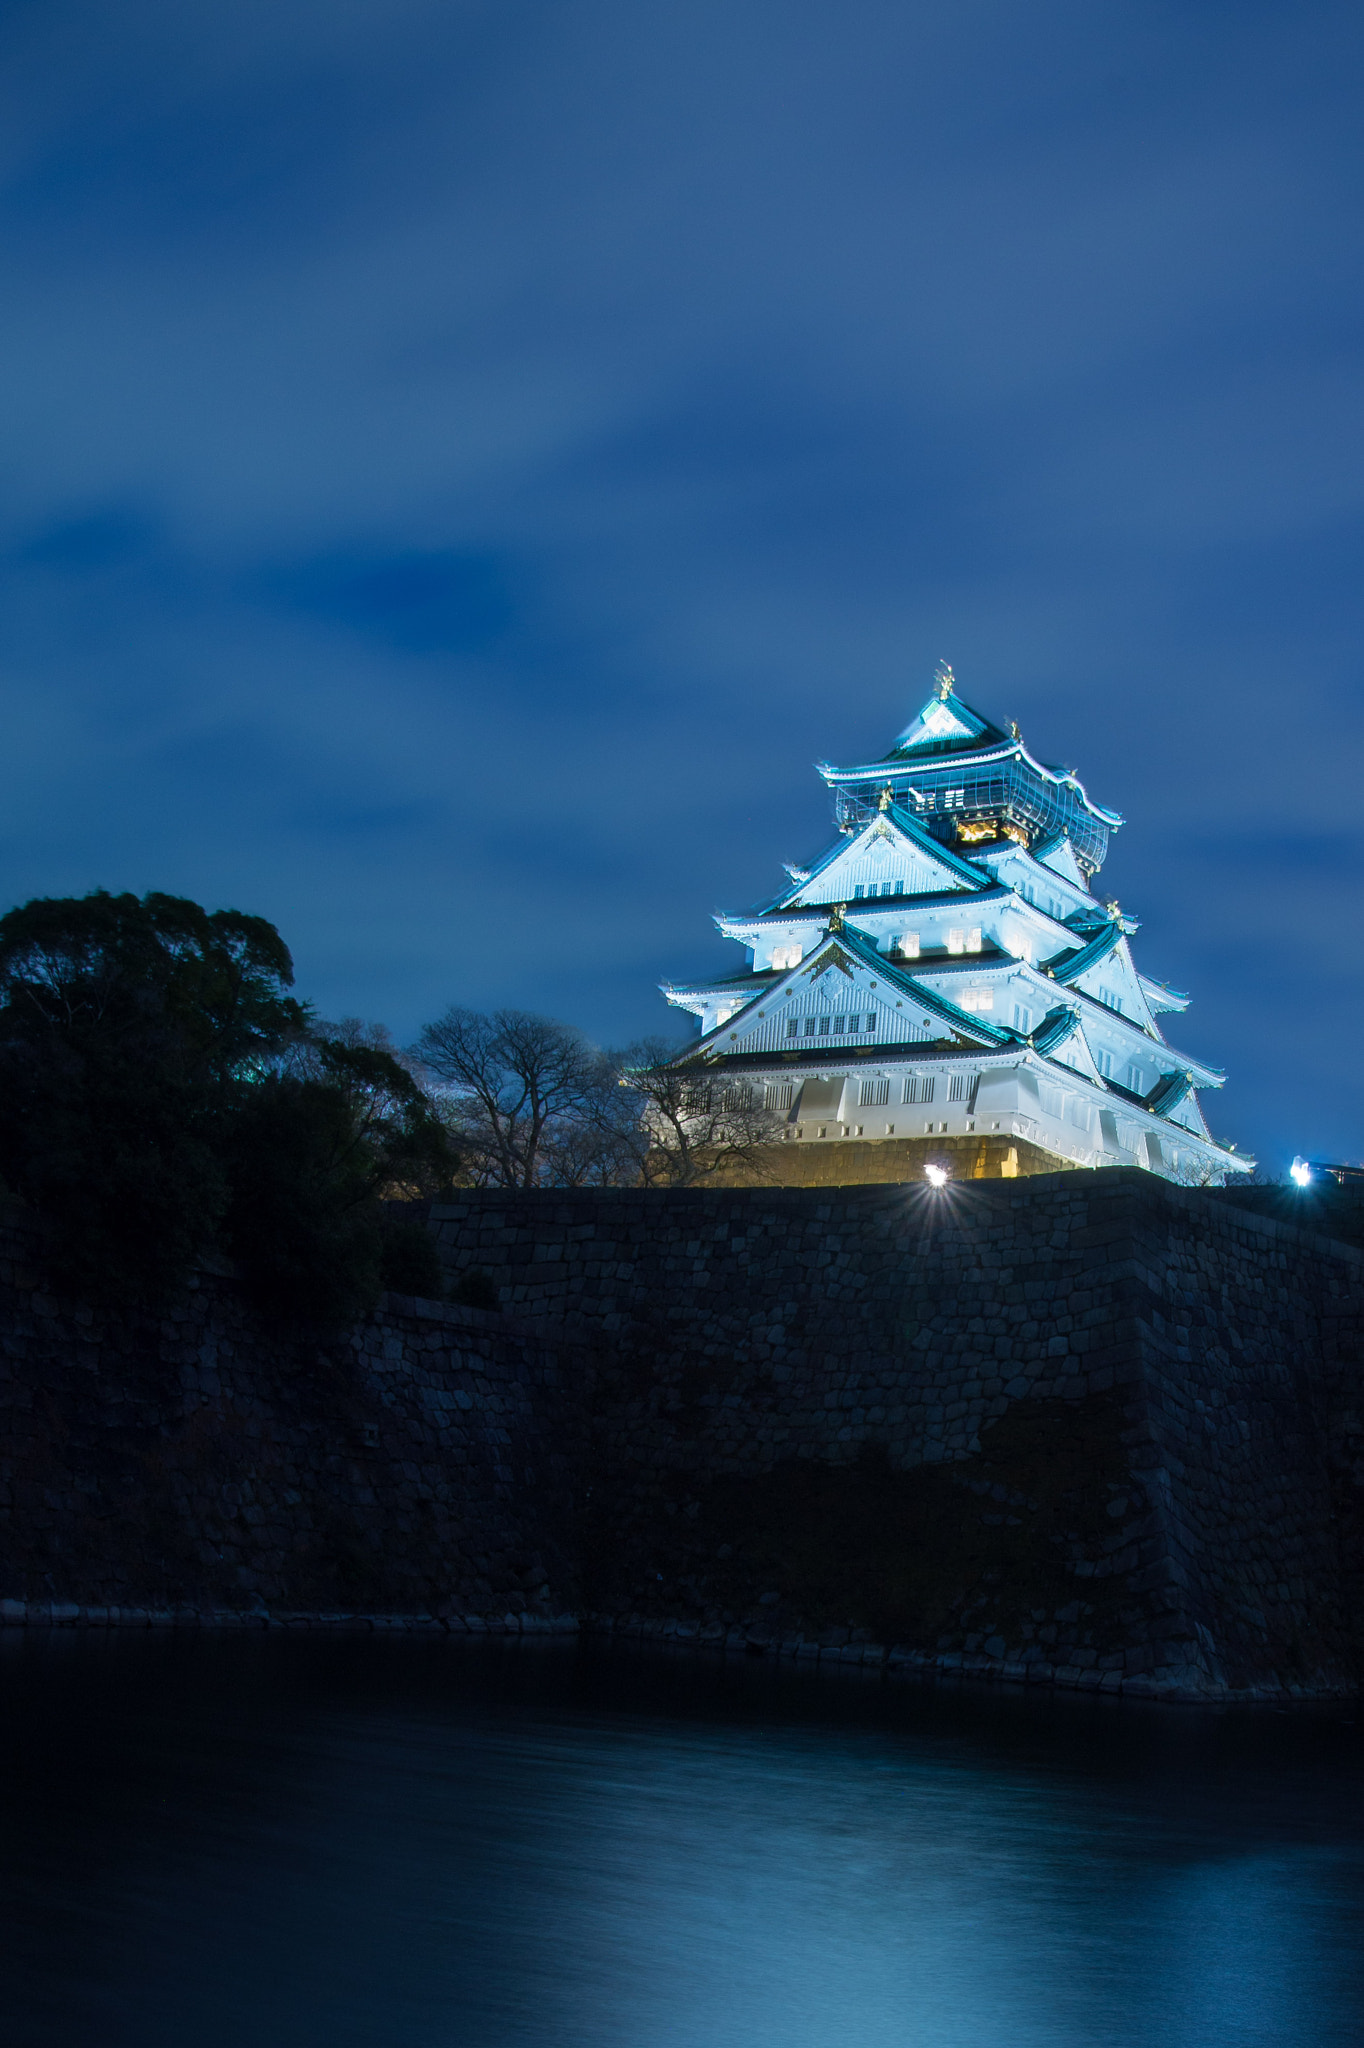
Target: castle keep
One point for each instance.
(945, 989)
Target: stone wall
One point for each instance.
(1086, 1429)
(1107, 1418)
(192, 1462)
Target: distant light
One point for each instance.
(1301, 1173)
(936, 1176)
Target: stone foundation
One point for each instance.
(870, 1162)
(1088, 1429)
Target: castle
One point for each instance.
(943, 992)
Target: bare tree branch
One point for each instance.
(695, 1124)
(524, 1096)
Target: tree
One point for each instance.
(531, 1102)
(126, 1026)
(691, 1125)
(312, 1155)
(161, 1091)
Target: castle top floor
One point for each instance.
(970, 783)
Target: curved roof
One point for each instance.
(946, 730)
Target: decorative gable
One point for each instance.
(884, 860)
(1114, 982)
(1059, 855)
(837, 1000)
(938, 720)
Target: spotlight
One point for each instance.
(936, 1176)
(1301, 1173)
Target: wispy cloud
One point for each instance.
(463, 462)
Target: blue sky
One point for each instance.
(462, 463)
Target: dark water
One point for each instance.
(254, 1841)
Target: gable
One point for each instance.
(1059, 856)
(837, 1000)
(1034, 881)
(1115, 983)
(935, 721)
(882, 861)
(1078, 1055)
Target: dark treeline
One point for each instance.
(163, 1094)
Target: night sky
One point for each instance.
(464, 463)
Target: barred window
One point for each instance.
(962, 1087)
(696, 1098)
(976, 998)
(919, 1088)
(871, 1094)
(964, 939)
(907, 945)
(824, 1023)
(779, 1094)
(738, 1095)
(871, 1020)
(793, 1027)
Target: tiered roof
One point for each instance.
(990, 855)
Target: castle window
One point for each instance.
(872, 1094)
(811, 1025)
(964, 939)
(793, 1027)
(824, 1027)
(907, 945)
(786, 956)
(871, 1020)
(976, 998)
(1022, 1017)
(953, 799)
(962, 1088)
(919, 1088)
(860, 889)
(838, 1024)
(779, 1094)
(1104, 1062)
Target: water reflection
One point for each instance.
(399, 1843)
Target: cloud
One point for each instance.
(467, 461)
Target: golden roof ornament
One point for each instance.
(836, 911)
(1114, 909)
(886, 799)
(944, 678)
(1013, 728)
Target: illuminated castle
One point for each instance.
(944, 987)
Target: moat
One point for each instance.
(366, 1841)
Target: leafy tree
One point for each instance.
(126, 1025)
(313, 1153)
(161, 1090)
